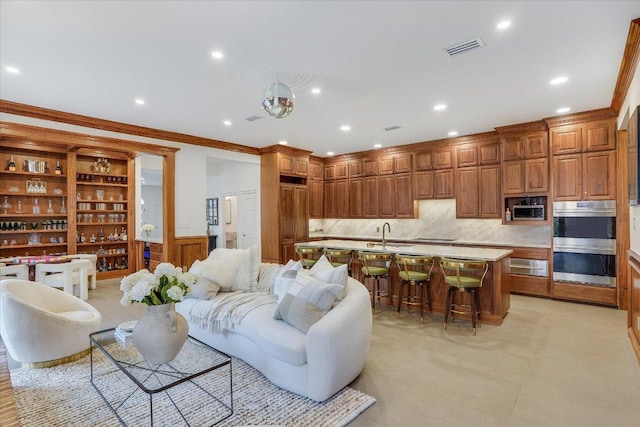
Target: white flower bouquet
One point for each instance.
(166, 285)
(147, 229)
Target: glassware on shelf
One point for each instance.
(100, 194)
(33, 239)
(19, 210)
(6, 206)
(63, 208)
(50, 208)
(36, 207)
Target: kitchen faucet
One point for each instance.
(384, 240)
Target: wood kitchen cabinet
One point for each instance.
(595, 135)
(525, 154)
(588, 176)
(342, 199)
(489, 194)
(370, 166)
(284, 202)
(443, 158)
(404, 163)
(386, 165)
(443, 184)
(355, 168)
(386, 196)
(467, 155)
(489, 153)
(423, 185)
(316, 198)
(467, 205)
(423, 160)
(330, 199)
(405, 205)
(355, 198)
(370, 197)
(295, 166)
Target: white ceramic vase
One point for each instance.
(160, 334)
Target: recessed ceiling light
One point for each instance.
(217, 54)
(377, 145)
(315, 90)
(345, 128)
(12, 70)
(227, 123)
(140, 101)
(453, 133)
(439, 107)
(563, 110)
(559, 80)
(503, 25)
(330, 153)
(282, 142)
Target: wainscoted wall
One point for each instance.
(437, 219)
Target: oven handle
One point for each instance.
(583, 249)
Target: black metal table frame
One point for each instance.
(153, 371)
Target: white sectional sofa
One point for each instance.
(317, 364)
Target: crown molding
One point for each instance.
(627, 66)
(585, 116)
(10, 107)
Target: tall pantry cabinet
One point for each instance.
(284, 201)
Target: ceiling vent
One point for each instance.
(464, 46)
(254, 118)
(390, 128)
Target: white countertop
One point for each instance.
(435, 241)
(479, 253)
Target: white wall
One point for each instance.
(229, 177)
(631, 102)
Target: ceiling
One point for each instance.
(378, 64)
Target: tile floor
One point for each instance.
(550, 364)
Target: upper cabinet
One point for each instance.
(577, 138)
(294, 165)
(525, 155)
(584, 156)
(443, 158)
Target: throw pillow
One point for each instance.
(285, 278)
(205, 288)
(222, 266)
(321, 265)
(323, 270)
(306, 301)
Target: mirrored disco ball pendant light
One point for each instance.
(278, 100)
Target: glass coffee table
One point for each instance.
(194, 389)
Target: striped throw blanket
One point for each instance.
(227, 309)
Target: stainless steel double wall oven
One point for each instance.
(584, 242)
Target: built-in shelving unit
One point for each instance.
(54, 201)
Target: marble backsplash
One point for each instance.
(437, 220)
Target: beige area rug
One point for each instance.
(64, 396)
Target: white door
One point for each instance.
(248, 219)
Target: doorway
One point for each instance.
(241, 220)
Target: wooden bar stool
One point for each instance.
(308, 255)
(463, 275)
(375, 265)
(338, 257)
(412, 273)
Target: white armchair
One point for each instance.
(18, 271)
(66, 275)
(92, 268)
(43, 327)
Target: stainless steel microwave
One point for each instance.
(528, 213)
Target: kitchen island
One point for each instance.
(494, 295)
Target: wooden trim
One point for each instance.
(108, 125)
(284, 149)
(627, 66)
(622, 220)
(73, 141)
(583, 117)
(169, 206)
(523, 127)
(189, 249)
